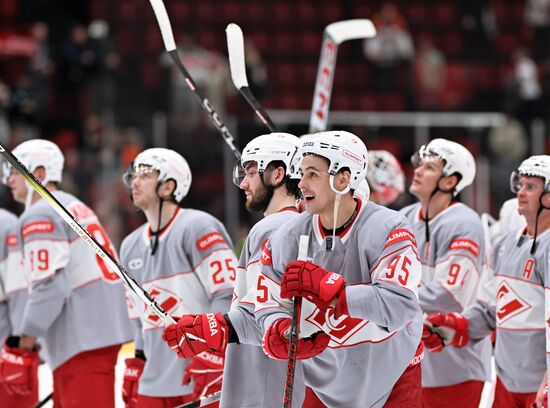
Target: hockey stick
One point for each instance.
(204, 401)
(170, 45)
(294, 331)
(87, 237)
(235, 48)
(40, 404)
(333, 35)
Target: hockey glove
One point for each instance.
(432, 340)
(206, 370)
(311, 281)
(134, 369)
(275, 342)
(18, 370)
(194, 334)
(452, 328)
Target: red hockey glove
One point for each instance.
(134, 369)
(311, 281)
(194, 334)
(452, 327)
(206, 370)
(432, 340)
(275, 342)
(18, 370)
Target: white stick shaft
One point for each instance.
(164, 23)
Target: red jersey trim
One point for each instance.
(11, 241)
(37, 227)
(161, 233)
(208, 240)
(465, 244)
(345, 231)
(398, 235)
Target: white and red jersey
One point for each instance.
(13, 285)
(452, 263)
(371, 347)
(251, 379)
(192, 271)
(516, 310)
(75, 302)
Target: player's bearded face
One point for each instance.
(314, 185)
(256, 193)
(426, 176)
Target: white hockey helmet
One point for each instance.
(456, 157)
(385, 175)
(264, 149)
(535, 166)
(37, 153)
(170, 165)
(343, 150)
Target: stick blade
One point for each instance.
(345, 30)
(235, 48)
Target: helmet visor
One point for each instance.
(238, 173)
(134, 171)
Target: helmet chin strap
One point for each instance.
(541, 207)
(337, 199)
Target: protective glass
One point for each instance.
(5, 171)
(132, 171)
(238, 173)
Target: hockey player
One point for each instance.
(515, 307)
(75, 303)
(450, 245)
(184, 258)
(251, 379)
(360, 324)
(385, 177)
(13, 296)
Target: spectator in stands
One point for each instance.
(210, 72)
(429, 69)
(478, 24)
(537, 16)
(79, 61)
(391, 50)
(524, 93)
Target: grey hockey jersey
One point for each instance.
(75, 302)
(251, 379)
(516, 311)
(192, 271)
(369, 349)
(13, 285)
(451, 271)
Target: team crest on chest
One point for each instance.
(341, 329)
(168, 300)
(509, 303)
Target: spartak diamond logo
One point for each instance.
(341, 329)
(166, 299)
(509, 303)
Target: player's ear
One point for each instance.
(166, 189)
(342, 179)
(40, 173)
(448, 183)
(277, 175)
(545, 200)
